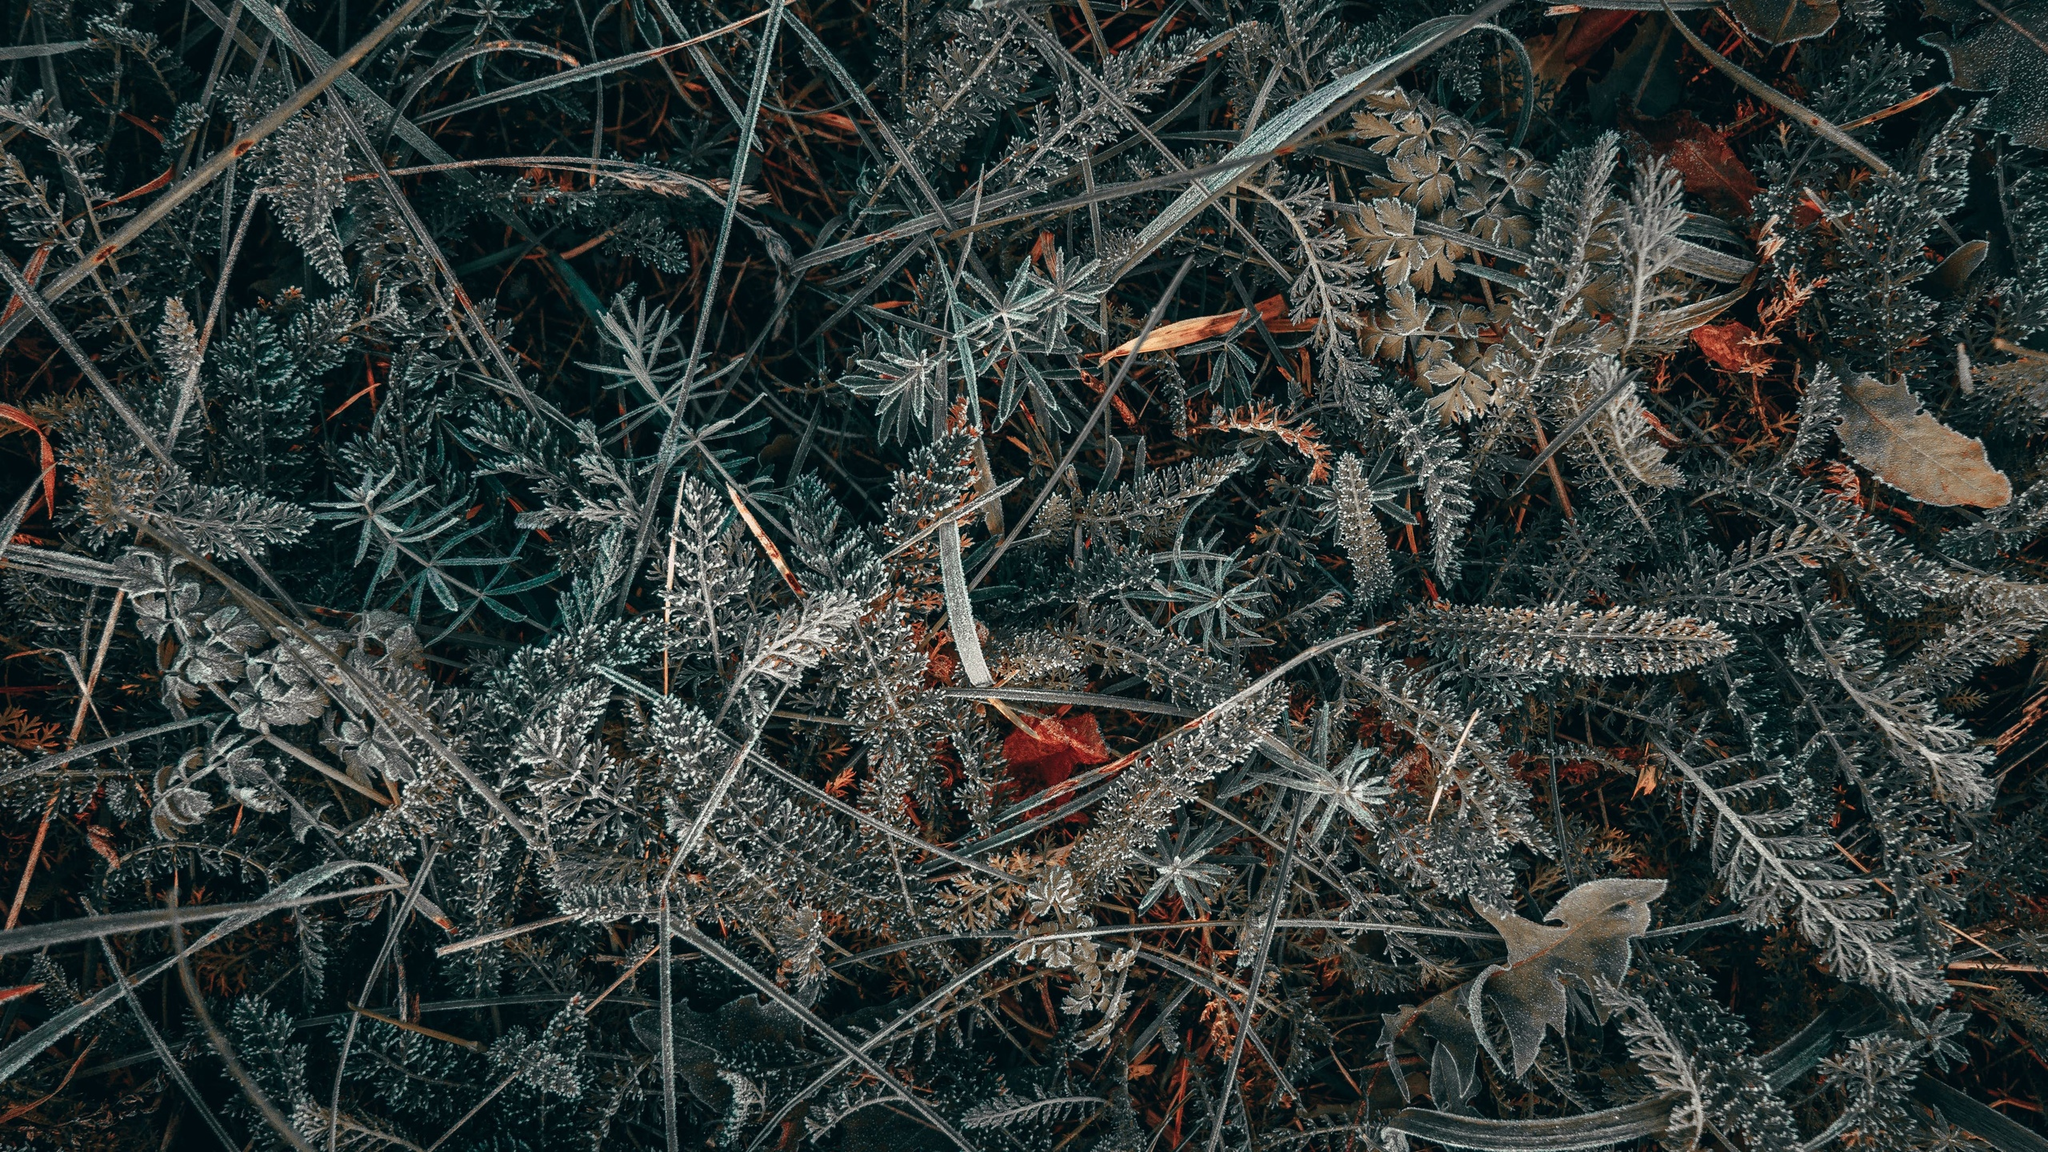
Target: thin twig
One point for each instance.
(1799, 113)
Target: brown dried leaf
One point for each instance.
(102, 842)
(1182, 333)
(1885, 430)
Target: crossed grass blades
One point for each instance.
(1140, 577)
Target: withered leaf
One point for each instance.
(1885, 430)
(1732, 347)
(1703, 159)
(1600, 917)
(1597, 918)
(1181, 333)
(1953, 272)
(1998, 58)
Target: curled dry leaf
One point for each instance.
(1885, 430)
(1579, 37)
(1956, 269)
(1182, 333)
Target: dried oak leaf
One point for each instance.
(1783, 21)
(1598, 920)
(1885, 430)
(1999, 58)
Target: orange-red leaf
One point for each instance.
(162, 181)
(1731, 347)
(18, 991)
(841, 784)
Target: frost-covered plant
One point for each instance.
(1020, 576)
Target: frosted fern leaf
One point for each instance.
(1615, 642)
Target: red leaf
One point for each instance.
(1048, 754)
(17, 992)
(1807, 212)
(1702, 158)
(1731, 347)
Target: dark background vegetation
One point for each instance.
(543, 249)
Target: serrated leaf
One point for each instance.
(1622, 640)
(1885, 430)
(1006, 1110)
(798, 639)
(1359, 531)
